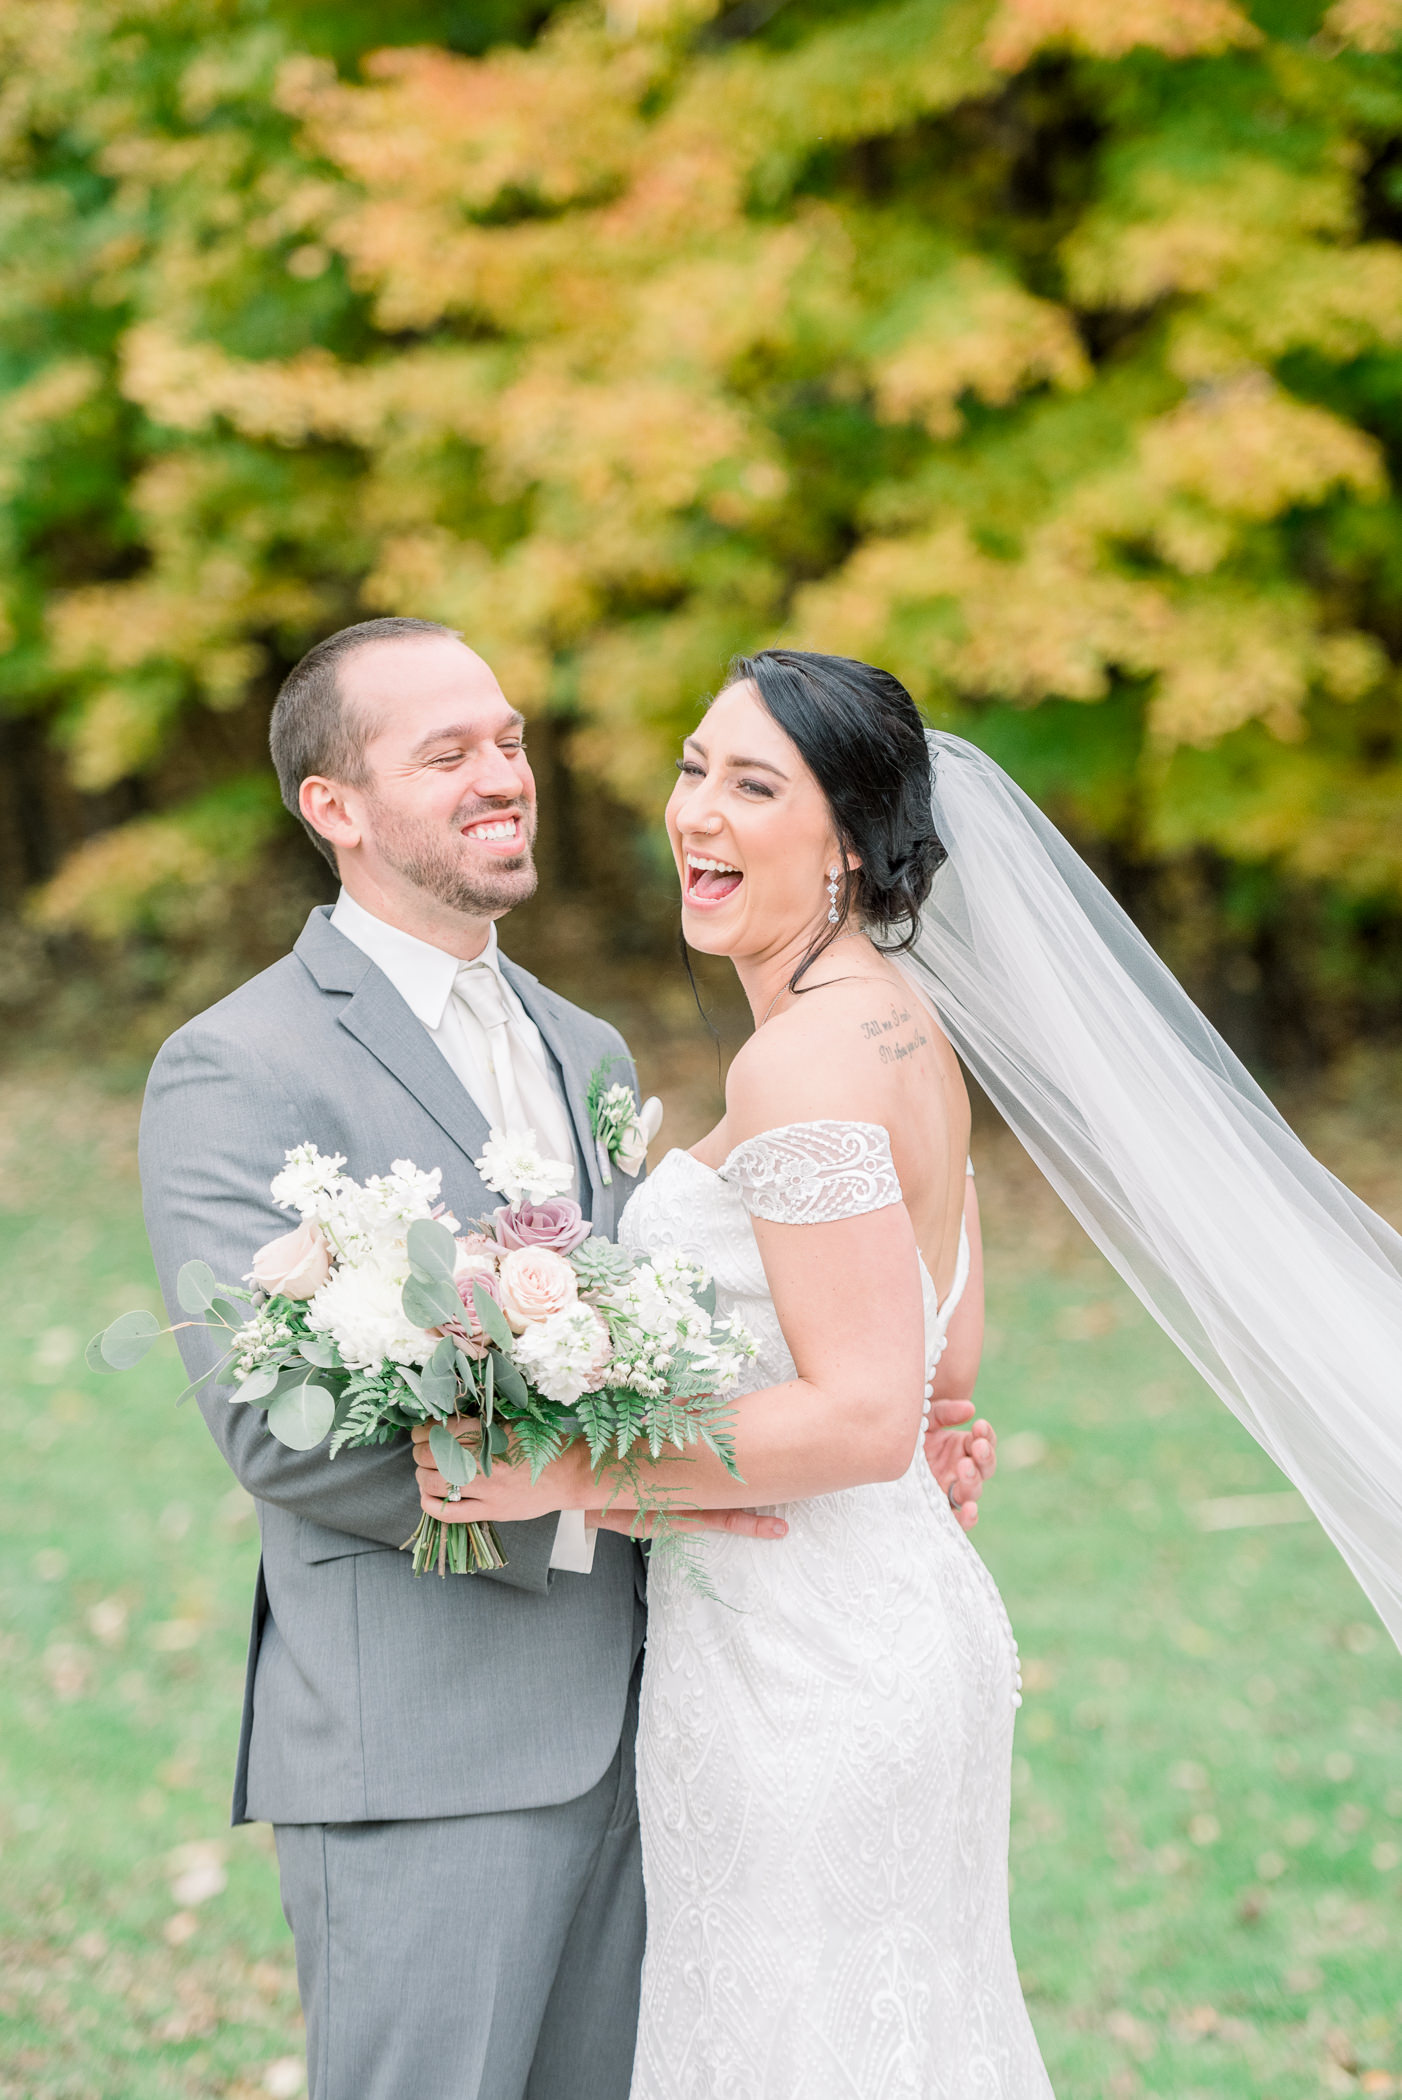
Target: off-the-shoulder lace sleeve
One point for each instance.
(811, 1173)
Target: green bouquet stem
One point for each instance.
(455, 1549)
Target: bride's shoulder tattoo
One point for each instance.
(897, 1033)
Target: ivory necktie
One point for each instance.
(525, 1095)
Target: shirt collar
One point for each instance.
(422, 975)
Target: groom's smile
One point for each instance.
(438, 816)
(505, 836)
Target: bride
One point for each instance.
(825, 1741)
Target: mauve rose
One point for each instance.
(558, 1224)
(474, 1340)
(535, 1282)
(295, 1266)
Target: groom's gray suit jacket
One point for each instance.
(372, 1695)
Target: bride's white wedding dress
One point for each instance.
(824, 1754)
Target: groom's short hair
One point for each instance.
(312, 731)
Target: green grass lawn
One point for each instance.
(1207, 1848)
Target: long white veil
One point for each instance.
(1278, 1284)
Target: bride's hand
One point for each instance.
(508, 1495)
(961, 1454)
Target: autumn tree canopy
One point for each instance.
(1046, 351)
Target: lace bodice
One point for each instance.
(808, 1173)
(825, 1744)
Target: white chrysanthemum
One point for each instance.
(309, 1182)
(563, 1356)
(513, 1164)
(359, 1307)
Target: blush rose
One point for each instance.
(294, 1266)
(535, 1282)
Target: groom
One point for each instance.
(447, 1764)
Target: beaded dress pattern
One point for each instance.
(825, 1747)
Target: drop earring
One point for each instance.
(832, 895)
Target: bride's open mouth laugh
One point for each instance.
(710, 882)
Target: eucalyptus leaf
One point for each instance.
(509, 1383)
(221, 1309)
(260, 1384)
(456, 1464)
(438, 1389)
(428, 1301)
(195, 1286)
(318, 1349)
(443, 1356)
(467, 1373)
(432, 1248)
(494, 1321)
(195, 1383)
(126, 1341)
(302, 1417)
(707, 1299)
(410, 1378)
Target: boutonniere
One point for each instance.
(622, 1130)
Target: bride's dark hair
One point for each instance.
(860, 734)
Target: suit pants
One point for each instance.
(487, 1957)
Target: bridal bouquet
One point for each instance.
(377, 1312)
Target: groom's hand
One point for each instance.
(962, 1455)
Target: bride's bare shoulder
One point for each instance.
(830, 1055)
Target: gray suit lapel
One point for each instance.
(377, 1017)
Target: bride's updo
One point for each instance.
(859, 733)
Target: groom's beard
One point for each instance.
(433, 859)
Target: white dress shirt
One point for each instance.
(425, 977)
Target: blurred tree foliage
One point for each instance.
(1047, 351)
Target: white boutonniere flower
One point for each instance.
(622, 1130)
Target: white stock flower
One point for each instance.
(513, 1164)
(309, 1181)
(358, 1218)
(564, 1356)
